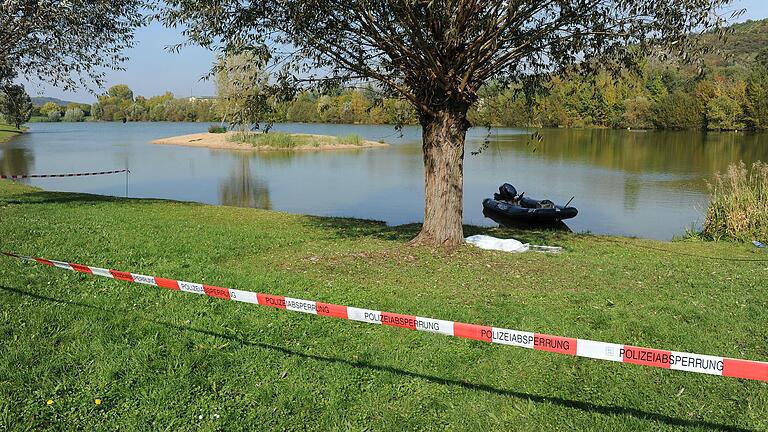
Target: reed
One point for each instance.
(351, 139)
(738, 208)
(278, 140)
(282, 140)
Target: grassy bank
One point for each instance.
(287, 141)
(8, 131)
(164, 360)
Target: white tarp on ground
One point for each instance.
(507, 245)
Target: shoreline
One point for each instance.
(9, 132)
(220, 141)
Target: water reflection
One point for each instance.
(241, 189)
(631, 192)
(15, 161)
(643, 152)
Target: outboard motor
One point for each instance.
(507, 192)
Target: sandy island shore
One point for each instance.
(219, 141)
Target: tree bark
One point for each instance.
(443, 137)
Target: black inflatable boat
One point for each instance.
(518, 207)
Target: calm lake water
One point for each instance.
(646, 184)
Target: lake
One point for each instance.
(647, 184)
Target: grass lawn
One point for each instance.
(172, 361)
(8, 131)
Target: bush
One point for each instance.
(724, 113)
(637, 113)
(74, 115)
(54, 116)
(678, 110)
(738, 207)
(217, 129)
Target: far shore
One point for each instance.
(223, 141)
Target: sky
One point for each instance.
(152, 70)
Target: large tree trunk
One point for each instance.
(443, 146)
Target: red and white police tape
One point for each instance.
(25, 176)
(713, 365)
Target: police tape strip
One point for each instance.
(25, 176)
(713, 365)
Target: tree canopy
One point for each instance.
(66, 42)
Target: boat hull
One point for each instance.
(529, 215)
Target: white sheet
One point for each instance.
(507, 245)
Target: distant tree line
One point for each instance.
(338, 106)
(656, 96)
(119, 104)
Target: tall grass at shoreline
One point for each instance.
(282, 140)
(738, 206)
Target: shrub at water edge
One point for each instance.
(738, 206)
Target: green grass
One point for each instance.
(8, 131)
(282, 140)
(175, 361)
(351, 139)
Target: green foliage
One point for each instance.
(637, 113)
(678, 110)
(657, 91)
(15, 104)
(97, 111)
(241, 87)
(738, 207)
(119, 103)
(723, 113)
(74, 115)
(85, 108)
(303, 108)
(54, 116)
(136, 112)
(157, 113)
(216, 129)
(66, 43)
(756, 93)
(120, 92)
(48, 107)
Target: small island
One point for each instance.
(270, 141)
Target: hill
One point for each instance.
(42, 100)
(739, 48)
